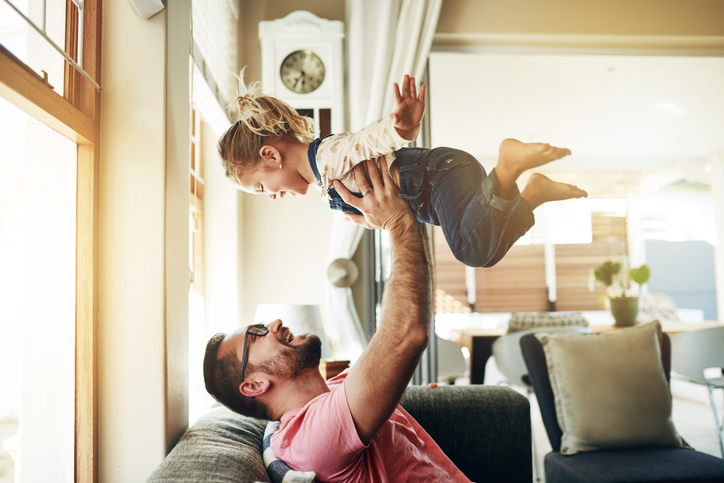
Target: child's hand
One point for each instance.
(409, 108)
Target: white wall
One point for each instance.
(285, 249)
(284, 242)
(221, 241)
(131, 339)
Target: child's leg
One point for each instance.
(516, 157)
(539, 189)
(479, 225)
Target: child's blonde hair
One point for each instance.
(258, 119)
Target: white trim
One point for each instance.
(584, 41)
(208, 105)
(549, 254)
(627, 44)
(471, 285)
(717, 195)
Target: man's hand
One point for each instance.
(409, 108)
(382, 206)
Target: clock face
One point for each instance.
(302, 71)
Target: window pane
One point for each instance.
(27, 44)
(37, 296)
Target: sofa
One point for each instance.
(485, 430)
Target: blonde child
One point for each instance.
(271, 150)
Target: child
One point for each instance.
(271, 150)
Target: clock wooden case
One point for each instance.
(302, 64)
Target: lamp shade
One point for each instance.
(301, 319)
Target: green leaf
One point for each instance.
(607, 271)
(640, 275)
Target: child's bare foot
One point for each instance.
(516, 157)
(541, 189)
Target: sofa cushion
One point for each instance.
(646, 464)
(610, 389)
(535, 320)
(221, 446)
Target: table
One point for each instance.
(479, 341)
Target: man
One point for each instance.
(350, 428)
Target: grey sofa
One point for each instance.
(485, 430)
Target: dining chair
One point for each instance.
(450, 360)
(692, 355)
(509, 359)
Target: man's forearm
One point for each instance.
(378, 379)
(407, 300)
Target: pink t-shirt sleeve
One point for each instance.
(320, 437)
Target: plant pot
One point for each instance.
(624, 310)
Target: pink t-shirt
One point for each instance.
(321, 437)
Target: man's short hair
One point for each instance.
(222, 378)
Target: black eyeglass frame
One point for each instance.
(259, 330)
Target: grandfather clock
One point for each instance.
(302, 64)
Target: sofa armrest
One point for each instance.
(221, 447)
(484, 430)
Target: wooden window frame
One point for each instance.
(76, 115)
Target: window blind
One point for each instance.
(215, 36)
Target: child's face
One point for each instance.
(274, 182)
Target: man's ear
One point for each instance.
(254, 387)
(271, 157)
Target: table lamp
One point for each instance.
(301, 319)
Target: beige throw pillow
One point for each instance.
(610, 389)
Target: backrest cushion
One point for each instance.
(610, 390)
(221, 446)
(534, 320)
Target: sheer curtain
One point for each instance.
(386, 39)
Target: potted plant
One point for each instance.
(621, 297)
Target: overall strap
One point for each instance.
(312, 157)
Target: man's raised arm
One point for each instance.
(377, 381)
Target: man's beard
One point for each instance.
(294, 361)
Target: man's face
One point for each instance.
(279, 353)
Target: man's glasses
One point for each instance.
(257, 330)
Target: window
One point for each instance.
(59, 179)
(574, 236)
(37, 327)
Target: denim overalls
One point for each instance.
(449, 188)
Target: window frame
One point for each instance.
(75, 115)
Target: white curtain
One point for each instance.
(386, 39)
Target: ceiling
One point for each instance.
(633, 123)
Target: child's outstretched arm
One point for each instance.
(409, 108)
